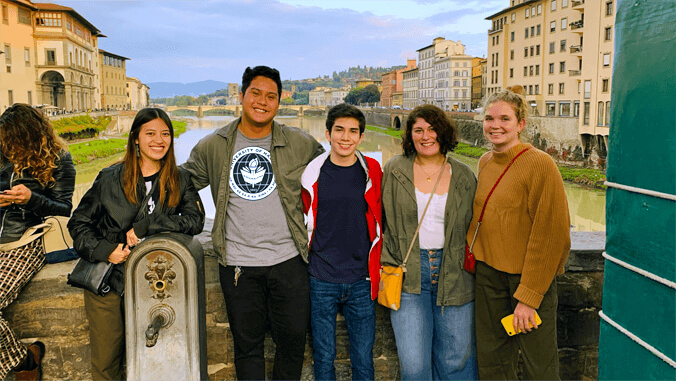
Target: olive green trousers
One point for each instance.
(106, 335)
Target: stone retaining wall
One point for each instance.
(53, 312)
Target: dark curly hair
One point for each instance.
(447, 132)
(28, 140)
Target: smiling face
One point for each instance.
(154, 140)
(501, 126)
(260, 102)
(424, 138)
(344, 139)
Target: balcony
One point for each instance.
(574, 73)
(498, 29)
(576, 49)
(577, 4)
(577, 25)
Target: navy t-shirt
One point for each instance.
(341, 244)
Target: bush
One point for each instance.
(80, 127)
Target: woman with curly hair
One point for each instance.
(37, 179)
(143, 195)
(433, 327)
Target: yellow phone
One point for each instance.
(508, 323)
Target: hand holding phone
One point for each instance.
(508, 323)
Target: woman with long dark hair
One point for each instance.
(433, 326)
(37, 179)
(106, 225)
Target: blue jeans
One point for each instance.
(360, 316)
(434, 342)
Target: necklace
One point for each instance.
(429, 175)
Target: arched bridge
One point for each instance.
(237, 109)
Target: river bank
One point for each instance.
(590, 177)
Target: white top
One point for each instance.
(431, 235)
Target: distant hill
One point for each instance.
(171, 89)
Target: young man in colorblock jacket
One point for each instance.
(341, 200)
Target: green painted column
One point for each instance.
(640, 201)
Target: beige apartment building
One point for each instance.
(113, 81)
(453, 82)
(52, 56)
(561, 52)
(138, 95)
(478, 89)
(427, 81)
(410, 88)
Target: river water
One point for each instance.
(587, 205)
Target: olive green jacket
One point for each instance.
(400, 220)
(292, 149)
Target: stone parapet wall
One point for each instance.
(53, 312)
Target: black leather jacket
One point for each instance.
(104, 216)
(44, 201)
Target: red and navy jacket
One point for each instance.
(374, 175)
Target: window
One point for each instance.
(576, 109)
(599, 114)
(564, 108)
(532, 11)
(527, 12)
(552, 47)
(539, 9)
(562, 67)
(609, 33)
(511, 54)
(604, 85)
(550, 89)
(24, 16)
(609, 8)
(9, 68)
(513, 17)
(537, 29)
(564, 3)
(8, 54)
(553, 5)
(464, 93)
(561, 87)
(552, 26)
(530, 70)
(564, 23)
(497, 40)
(537, 69)
(537, 50)
(608, 113)
(525, 52)
(511, 36)
(587, 89)
(48, 19)
(585, 117)
(464, 82)
(10, 97)
(532, 31)
(5, 14)
(537, 89)
(551, 68)
(526, 33)
(30, 98)
(606, 59)
(68, 25)
(50, 57)
(563, 45)
(532, 51)
(525, 71)
(27, 56)
(511, 72)
(551, 108)
(530, 90)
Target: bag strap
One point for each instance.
(441, 173)
(28, 236)
(481, 217)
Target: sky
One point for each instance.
(190, 41)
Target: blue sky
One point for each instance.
(189, 41)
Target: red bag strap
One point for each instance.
(481, 217)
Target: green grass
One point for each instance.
(76, 126)
(585, 176)
(468, 150)
(179, 127)
(95, 149)
(385, 130)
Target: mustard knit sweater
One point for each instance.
(526, 226)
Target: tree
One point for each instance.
(353, 96)
(370, 94)
(287, 101)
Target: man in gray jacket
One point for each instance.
(254, 166)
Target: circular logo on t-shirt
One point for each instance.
(251, 176)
